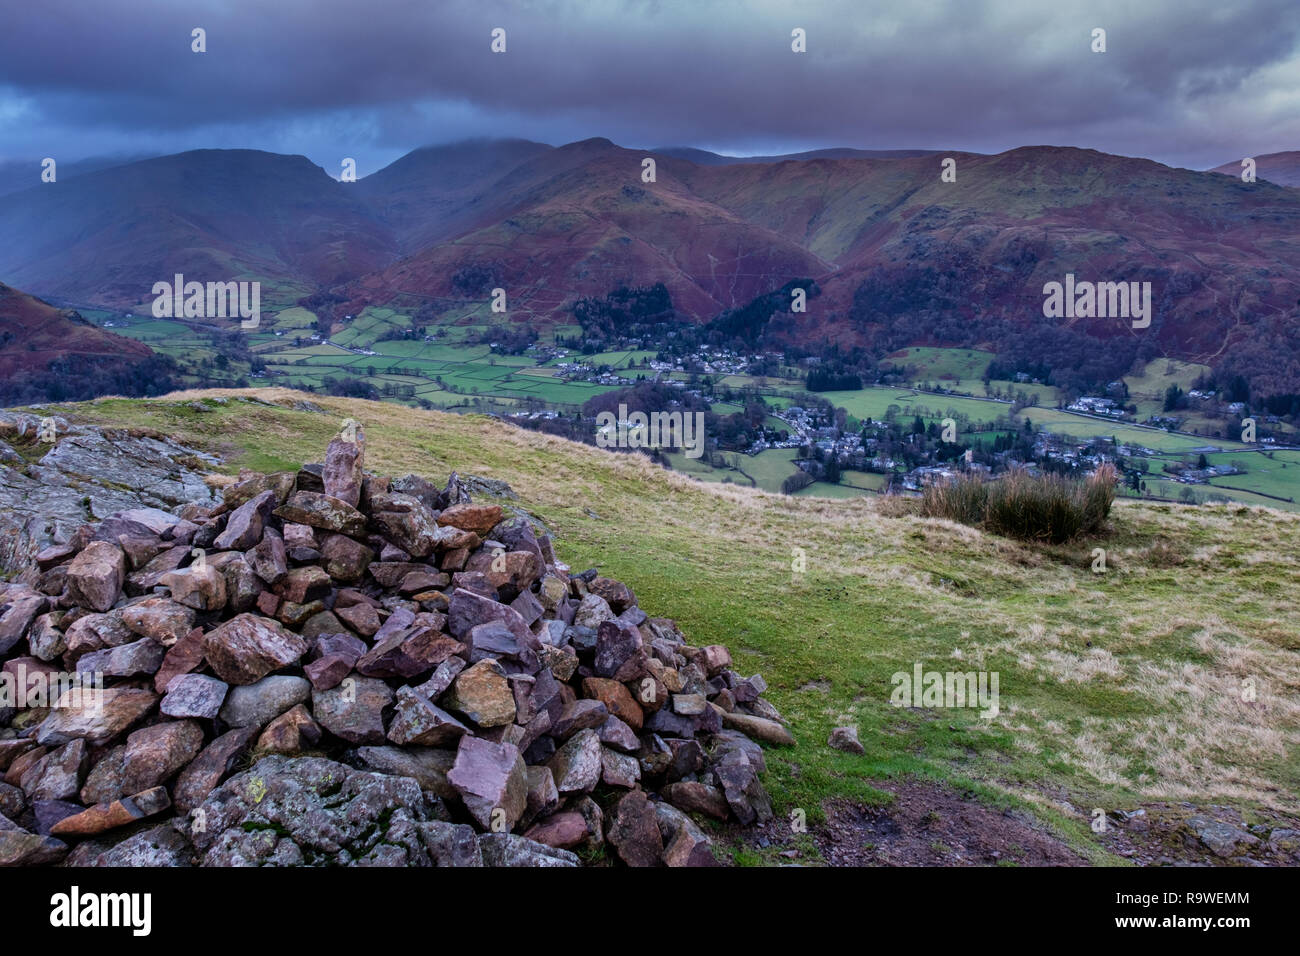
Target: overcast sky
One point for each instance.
(1187, 82)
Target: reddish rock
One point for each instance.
(290, 733)
(491, 781)
(247, 648)
(345, 560)
(479, 519)
(343, 470)
(564, 830)
(362, 618)
(24, 762)
(150, 757)
(268, 558)
(618, 595)
(516, 570)
(96, 575)
(57, 775)
(302, 585)
(694, 797)
(268, 602)
(184, 656)
(634, 831)
(94, 631)
(244, 526)
(616, 698)
(354, 710)
(95, 714)
(109, 816)
(210, 767)
(619, 652)
(406, 522)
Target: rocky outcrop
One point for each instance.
(412, 678)
(50, 489)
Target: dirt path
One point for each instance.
(933, 824)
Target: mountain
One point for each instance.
(578, 221)
(1280, 168)
(54, 353)
(213, 215)
(920, 261)
(899, 256)
(17, 175)
(435, 193)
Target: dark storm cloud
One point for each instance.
(1193, 82)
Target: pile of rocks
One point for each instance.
(330, 666)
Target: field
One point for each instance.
(875, 402)
(1118, 690)
(961, 370)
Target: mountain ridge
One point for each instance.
(900, 256)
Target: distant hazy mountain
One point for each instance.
(1280, 168)
(107, 236)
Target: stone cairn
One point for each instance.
(335, 668)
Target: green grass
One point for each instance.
(875, 403)
(941, 366)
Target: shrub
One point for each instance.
(1047, 508)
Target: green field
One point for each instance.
(875, 402)
(941, 366)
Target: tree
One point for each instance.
(800, 479)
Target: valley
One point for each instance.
(380, 354)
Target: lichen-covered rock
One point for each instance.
(306, 811)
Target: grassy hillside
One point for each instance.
(1117, 688)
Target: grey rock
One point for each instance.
(194, 695)
(256, 705)
(511, 849)
(354, 710)
(157, 846)
(307, 810)
(577, 765)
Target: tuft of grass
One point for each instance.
(1042, 508)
